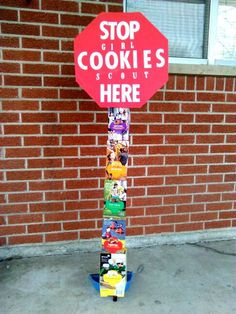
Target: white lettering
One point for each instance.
(80, 60)
(160, 58)
(146, 59)
(119, 93)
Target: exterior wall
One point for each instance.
(182, 156)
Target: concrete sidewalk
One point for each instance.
(191, 278)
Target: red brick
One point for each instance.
(157, 96)
(77, 225)
(228, 215)
(8, 93)
(190, 82)
(148, 139)
(189, 208)
(9, 42)
(208, 159)
(92, 8)
(219, 206)
(20, 105)
(179, 180)
(148, 118)
(209, 178)
(192, 189)
(80, 184)
(136, 172)
(165, 190)
(12, 187)
(210, 139)
(224, 107)
(44, 163)
(174, 218)
(193, 149)
(23, 175)
(224, 128)
(9, 230)
(15, 208)
(204, 216)
(8, 67)
(22, 152)
(25, 197)
(81, 162)
(206, 197)
(218, 224)
(24, 219)
(164, 128)
(21, 129)
(209, 118)
(60, 81)
(230, 177)
(188, 227)
(65, 236)
(221, 168)
(229, 84)
(21, 55)
(148, 160)
(223, 148)
(67, 6)
(60, 174)
(46, 185)
(195, 107)
(90, 234)
(45, 227)
(181, 96)
(77, 20)
(38, 17)
(91, 151)
(60, 196)
(59, 105)
(67, 45)
(200, 82)
(171, 82)
(210, 83)
(192, 169)
(144, 201)
(144, 221)
(78, 140)
(60, 129)
(39, 93)
(41, 141)
(9, 117)
(63, 216)
(201, 128)
(73, 94)
(148, 181)
(163, 150)
(170, 170)
(77, 117)
(229, 196)
(10, 141)
(2, 241)
(230, 158)
(178, 199)
(25, 239)
(40, 68)
(230, 118)
(164, 107)
(56, 31)
(60, 151)
(230, 97)
(46, 207)
(20, 29)
(12, 164)
(91, 214)
(115, 8)
(82, 205)
(91, 194)
(133, 213)
(175, 118)
(91, 105)
(160, 210)
(219, 97)
(179, 139)
(8, 15)
(179, 160)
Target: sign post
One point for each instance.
(121, 60)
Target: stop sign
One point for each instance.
(121, 60)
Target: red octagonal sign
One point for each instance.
(121, 60)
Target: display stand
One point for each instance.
(121, 60)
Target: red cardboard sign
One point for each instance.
(121, 60)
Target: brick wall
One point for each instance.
(182, 156)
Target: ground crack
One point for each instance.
(212, 249)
